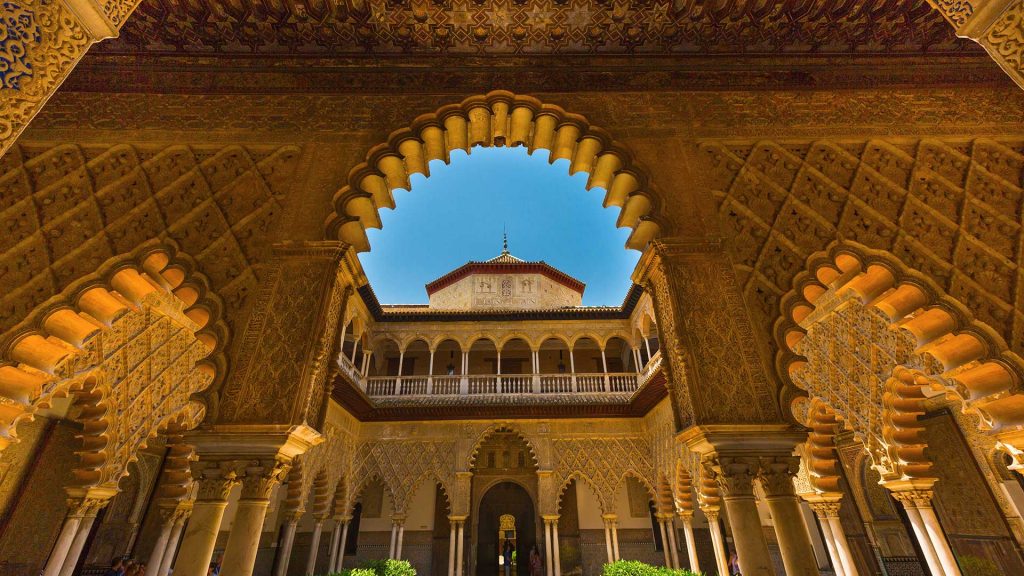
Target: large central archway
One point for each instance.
(498, 118)
(505, 499)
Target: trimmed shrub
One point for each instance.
(380, 568)
(637, 568)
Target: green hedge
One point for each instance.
(637, 568)
(380, 568)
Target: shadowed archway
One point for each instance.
(501, 499)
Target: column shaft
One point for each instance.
(548, 556)
(751, 547)
(284, 553)
(554, 543)
(77, 545)
(172, 547)
(200, 538)
(939, 541)
(791, 531)
(314, 547)
(615, 539)
(333, 558)
(451, 550)
(401, 537)
(159, 547)
(608, 542)
(670, 527)
(341, 548)
(691, 544)
(244, 539)
(394, 541)
(664, 543)
(459, 553)
(716, 542)
(60, 549)
(925, 543)
(842, 546)
(830, 543)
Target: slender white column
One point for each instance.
(548, 556)
(924, 542)
(167, 523)
(842, 546)
(939, 541)
(673, 548)
(608, 541)
(554, 541)
(60, 549)
(314, 546)
(284, 553)
(401, 360)
(664, 542)
(394, 541)
(459, 552)
(647, 345)
(830, 543)
(355, 348)
(77, 545)
(691, 545)
(716, 541)
(332, 560)
(172, 545)
(401, 537)
(615, 538)
(341, 340)
(451, 549)
(341, 547)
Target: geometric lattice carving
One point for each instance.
(66, 209)
(604, 464)
(951, 209)
(403, 465)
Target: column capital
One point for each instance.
(825, 509)
(685, 515)
(214, 480)
(86, 503)
(734, 475)
(398, 519)
(457, 518)
(914, 498)
(711, 513)
(550, 517)
(610, 517)
(293, 516)
(260, 477)
(777, 473)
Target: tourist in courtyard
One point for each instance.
(506, 557)
(535, 561)
(116, 567)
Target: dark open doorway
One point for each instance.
(505, 498)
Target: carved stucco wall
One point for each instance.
(950, 208)
(504, 291)
(66, 208)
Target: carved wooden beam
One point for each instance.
(998, 25)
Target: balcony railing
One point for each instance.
(502, 384)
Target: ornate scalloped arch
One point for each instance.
(856, 301)
(498, 118)
(580, 477)
(683, 489)
(501, 427)
(144, 331)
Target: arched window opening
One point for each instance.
(416, 360)
(448, 359)
(483, 357)
(387, 357)
(619, 355)
(516, 358)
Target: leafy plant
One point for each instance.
(637, 568)
(380, 568)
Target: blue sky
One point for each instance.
(458, 214)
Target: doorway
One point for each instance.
(510, 502)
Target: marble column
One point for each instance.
(284, 553)
(548, 556)
(838, 547)
(167, 519)
(736, 483)
(60, 549)
(401, 538)
(200, 536)
(918, 504)
(776, 476)
(717, 542)
(615, 536)
(664, 541)
(608, 540)
(332, 559)
(341, 546)
(172, 545)
(691, 543)
(394, 540)
(451, 546)
(258, 483)
(78, 544)
(459, 553)
(673, 547)
(554, 541)
(314, 546)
